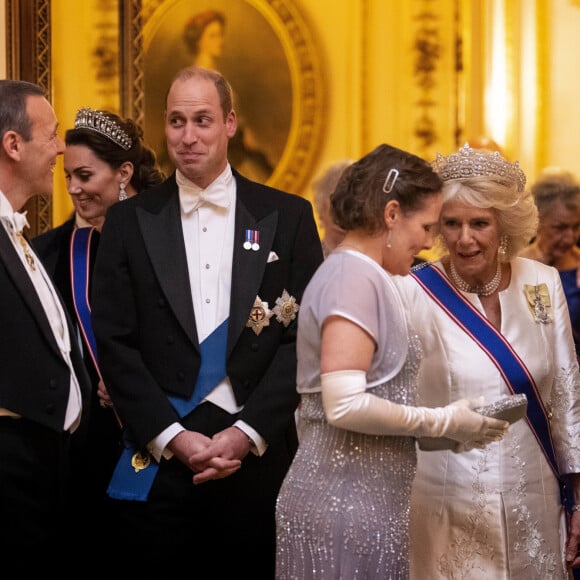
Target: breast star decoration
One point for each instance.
(260, 316)
(286, 308)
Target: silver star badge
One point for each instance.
(286, 308)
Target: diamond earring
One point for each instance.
(122, 192)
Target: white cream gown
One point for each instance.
(495, 513)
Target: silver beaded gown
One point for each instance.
(343, 508)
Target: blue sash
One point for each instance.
(80, 244)
(79, 268)
(495, 346)
(135, 472)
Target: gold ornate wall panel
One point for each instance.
(28, 38)
(415, 75)
(420, 74)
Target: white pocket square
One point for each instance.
(272, 257)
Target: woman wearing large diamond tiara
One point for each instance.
(343, 507)
(493, 325)
(105, 161)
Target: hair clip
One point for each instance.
(390, 181)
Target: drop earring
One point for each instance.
(122, 192)
(502, 250)
(389, 238)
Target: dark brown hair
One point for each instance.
(360, 196)
(146, 173)
(195, 28)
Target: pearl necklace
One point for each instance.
(485, 290)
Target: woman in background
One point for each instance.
(323, 187)
(203, 36)
(105, 161)
(557, 197)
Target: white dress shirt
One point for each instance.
(208, 231)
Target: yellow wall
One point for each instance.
(374, 93)
(76, 29)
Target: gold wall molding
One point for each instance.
(427, 46)
(28, 58)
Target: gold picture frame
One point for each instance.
(269, 56)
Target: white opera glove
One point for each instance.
(348, 405)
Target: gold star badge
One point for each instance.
(140, 461)
(259, 316)
(286, 308)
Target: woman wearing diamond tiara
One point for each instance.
(105, 161)
(343, 507)
(493, 324)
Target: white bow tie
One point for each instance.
(17, 221)
(192, 197)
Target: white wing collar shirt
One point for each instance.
(13, 223)
(208, 220)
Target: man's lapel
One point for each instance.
(22, 281)
(163, 236)
(248, 265)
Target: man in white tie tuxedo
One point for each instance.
(43, 382)
(195, 300)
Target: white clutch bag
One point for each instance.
(511, 408)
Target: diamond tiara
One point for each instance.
(468, 162)
(87, 118)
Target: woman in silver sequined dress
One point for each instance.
(343, 508)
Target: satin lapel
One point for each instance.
(248, 267)
(25, 286)
(163, 236)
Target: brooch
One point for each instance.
(286, 308)
(260, 316)
(140, 461)
(539, 302)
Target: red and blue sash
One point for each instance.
(496, 347)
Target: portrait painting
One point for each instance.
(275, 82)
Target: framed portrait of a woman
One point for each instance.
(265, 50)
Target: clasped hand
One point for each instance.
(211, 458)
